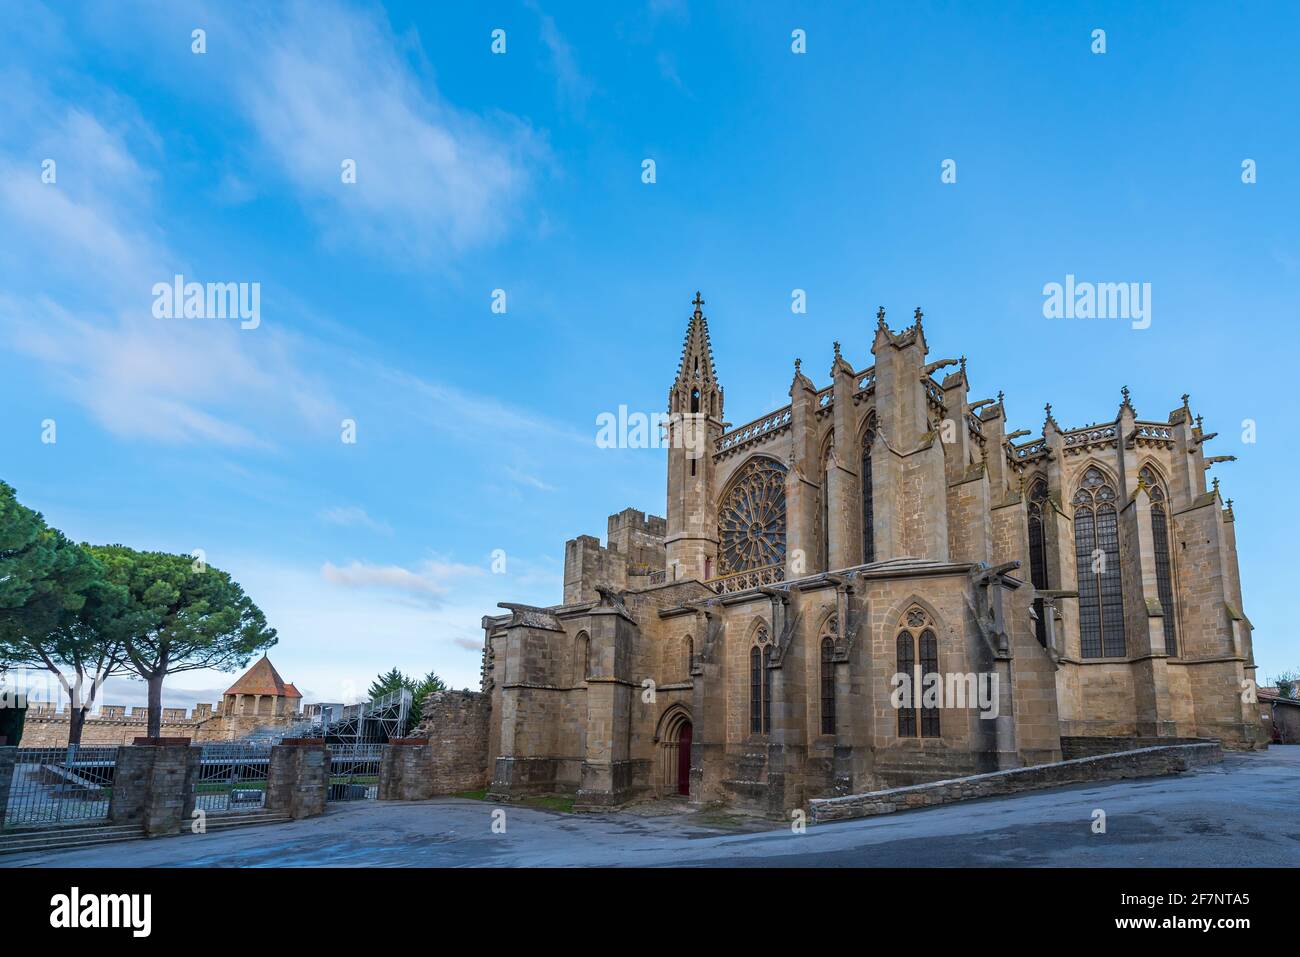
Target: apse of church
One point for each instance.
(884, 529)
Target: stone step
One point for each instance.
(225, 822)
(60, 838)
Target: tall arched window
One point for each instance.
(1164, 571)
(868, 512)
(755, 690)
(581, 657)
(828, 685)
(751, 518)
(906, 666)
(826, 505)
(1096, 546)
(767, 689)
(916, 633)
(1038, 552)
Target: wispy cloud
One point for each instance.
(428, 582)
(321, 84)
(575, 87)
(532, 481)
(353, 516)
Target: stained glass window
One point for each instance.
(1096, 544)
(1038, 553)
(868, 512)
(828, 685)
(907, 666)
(751, 520)
(1164, 572)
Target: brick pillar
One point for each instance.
(8, 755)
(153, 784)
(297, 777)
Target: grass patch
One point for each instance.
(472, 795)
(550, 802)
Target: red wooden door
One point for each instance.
(684, 760)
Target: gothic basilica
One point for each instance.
(748, 647)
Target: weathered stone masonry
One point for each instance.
(744, 648)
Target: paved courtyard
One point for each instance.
(1243, 812)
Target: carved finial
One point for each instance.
(963, 366)
(918, 315)
(1185, 398)
(1126, 404)
(697, 302)
(1216, 485)
(880, 317)
(1229, 505)
(797, 364)
(1198, 422)
(836, 344)
(1000, 395)
(1048, 409)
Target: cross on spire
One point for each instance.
(697, 302)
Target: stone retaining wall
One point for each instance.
(1080, 746)
(1140, 763)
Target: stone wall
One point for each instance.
(1088, 746)
(1142, 763)
(455, 724)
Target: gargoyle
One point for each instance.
(1016, 435)
(609, 598)
(1216, 459)
(933, 367)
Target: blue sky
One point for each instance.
(522, 172)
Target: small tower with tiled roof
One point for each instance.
(261, 692)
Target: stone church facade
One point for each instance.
(747, 648)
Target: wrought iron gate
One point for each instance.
(61, 785)
(232, 777)
(354, 772)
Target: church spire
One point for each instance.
(696, 388)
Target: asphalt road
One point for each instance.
(1243, 812)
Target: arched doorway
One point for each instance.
(674, 736)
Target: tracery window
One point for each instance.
(767, 689)
(826, 506)
(1038, 552)
(828, 685)
(760, 683)
(751, 518)
(916, 634)
(1096, 544)
(868, 511)
(1164, 571)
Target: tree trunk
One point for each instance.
(155, 705)
(76, 721)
